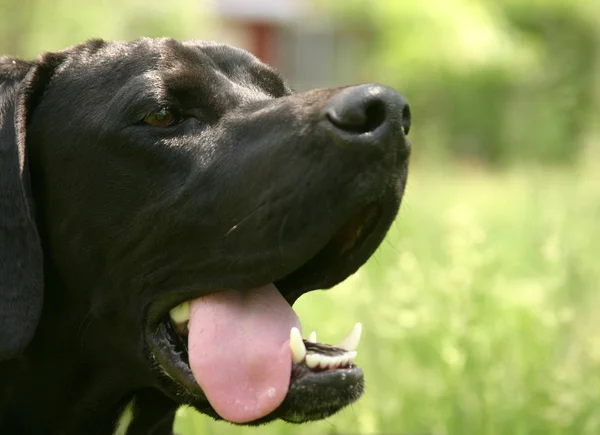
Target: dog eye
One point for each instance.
(161, 118)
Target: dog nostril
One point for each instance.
(375, 115)
(359, 118)
(406, 119)
(370, 113)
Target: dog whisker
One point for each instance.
(87, 320)
(244, 220)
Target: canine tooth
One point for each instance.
(181, 313)
(350, 343)
(297, 345)
(313, 360)
(312, 337)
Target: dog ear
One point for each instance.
(21, 260)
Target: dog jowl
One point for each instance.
(162, 206)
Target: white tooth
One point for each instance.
(344, 361)
(351, 356)
(332, 361)
(312, 337)
(336, 361)
(313, 360)
(181, 313)
(350, 343)
(296, 345)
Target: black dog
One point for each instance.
(162, 206)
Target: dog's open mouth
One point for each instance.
(243, 351)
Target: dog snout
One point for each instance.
(368, 114)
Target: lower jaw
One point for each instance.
(312, 395)
(318, 396)
(305, 401)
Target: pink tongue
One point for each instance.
(239, 351)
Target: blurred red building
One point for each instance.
(312, 50)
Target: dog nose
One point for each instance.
(369, 114)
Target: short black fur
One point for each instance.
(106, 222)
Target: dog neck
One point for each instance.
(78, 380)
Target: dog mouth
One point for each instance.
(242, 351)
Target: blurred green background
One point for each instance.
(479, 307)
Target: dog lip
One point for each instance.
(337, 387)
(348, 237)
(341, 255)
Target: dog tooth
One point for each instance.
(333, 361)
(313, 360)
(330, 361)
(337, 361)
(181, 313)
(312, 337)
(351, 356)
(344, 360)
(350, 343)
(297, 345)
(325, 362)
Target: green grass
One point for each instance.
(478, 312)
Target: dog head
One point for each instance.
(181, 197)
